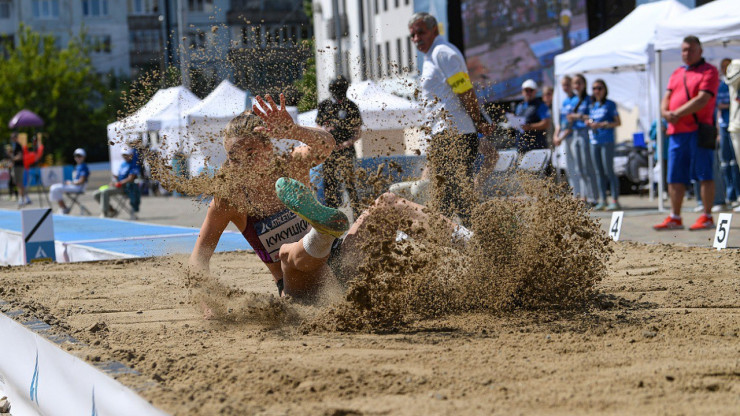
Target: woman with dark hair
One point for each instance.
(579, 146)
(603, 118)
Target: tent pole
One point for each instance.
(659, 129)
(556, 98)
(651, 165)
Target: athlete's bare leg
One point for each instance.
(302, 272)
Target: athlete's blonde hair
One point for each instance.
(243, 125)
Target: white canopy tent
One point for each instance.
(622, 57)
(170, 122)
(716, 24)
(205, 122)
(137, 125)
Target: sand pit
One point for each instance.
(661, 339)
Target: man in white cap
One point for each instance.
(536, 119)
(80, 174)
(124, 183)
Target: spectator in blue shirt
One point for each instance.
(564, 134)
(728, 163)
(536, 121)
(77, 185)
(603, 118)
(580, 145)
(123, 184)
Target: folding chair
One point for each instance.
(535, 161)
(74, 200)
(506, 159)
(121, 202)
(497, 183)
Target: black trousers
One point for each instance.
(338, 169)
(451, 160)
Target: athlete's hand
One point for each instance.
(277, 120)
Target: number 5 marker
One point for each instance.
(723, 231)
(615, 227)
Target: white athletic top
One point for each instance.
(732, 79)
(442, 61)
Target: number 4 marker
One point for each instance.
(723, 231)
(615, 227)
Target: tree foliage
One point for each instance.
(306, 85)
(61, 86)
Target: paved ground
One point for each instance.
(640, 215)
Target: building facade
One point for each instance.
(103, 22)
(253, 42)
(369, 40)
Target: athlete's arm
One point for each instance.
(280, 124)
(217, 219)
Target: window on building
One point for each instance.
(140, 7)
(363, 64)
(5, 9)
(399, 58)
(197, 40)
(397, 3)
(94, 8)
(406, 2)
(145, 41)
(205, 6)
(379, 60)
(377, 7)
(45, 9)
(388, 63)
(385, 5)
(306, 31)
(410, 52)
(99, 44)
(253, 36)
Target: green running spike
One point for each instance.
(299, 199)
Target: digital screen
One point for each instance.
(510, 41)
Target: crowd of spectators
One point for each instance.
(701, 125)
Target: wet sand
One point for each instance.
(661, 338)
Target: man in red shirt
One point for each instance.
(692, 89)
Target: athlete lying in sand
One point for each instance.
(292, 233)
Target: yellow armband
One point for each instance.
(460, 83)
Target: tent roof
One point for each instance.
(177, 101)
(224, 102)
(623, 46)
(370, 96)
(380, 110)
(716, 22)
(136, 122)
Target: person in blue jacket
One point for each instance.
(124, 183)
(80, 174)
(603, 119)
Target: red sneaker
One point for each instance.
(705, 222)
(669, 223)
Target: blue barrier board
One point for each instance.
(125, 237)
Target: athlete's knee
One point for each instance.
(387, 199)
(284, 253)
